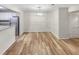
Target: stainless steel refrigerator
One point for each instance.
(15, 21)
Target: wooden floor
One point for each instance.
(43, 43)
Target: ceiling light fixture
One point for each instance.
(39, 13)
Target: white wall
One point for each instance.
(74, 22)
(35, 23)
(59, 22)
(47, 23)
(53, 20)
(74, 25)
(63, 23)
(69, 22)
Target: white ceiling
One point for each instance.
(35, 7)
(42, 7)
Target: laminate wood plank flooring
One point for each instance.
(43, 43)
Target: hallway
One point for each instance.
(43, 43)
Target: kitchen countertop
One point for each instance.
(2, 27)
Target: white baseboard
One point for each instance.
(57, 36)
(61, 38)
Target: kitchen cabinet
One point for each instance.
(7, 38)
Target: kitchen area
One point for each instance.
(9, 28)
